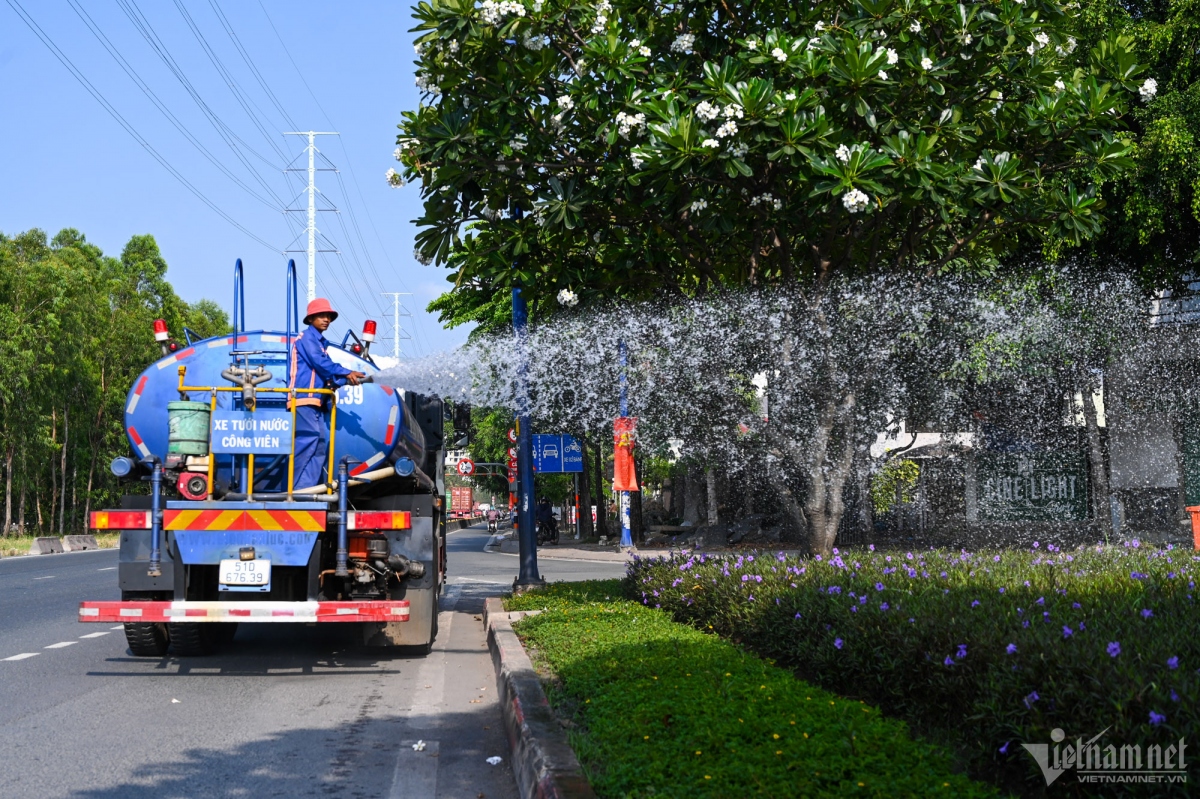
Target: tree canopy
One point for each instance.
(672, 148)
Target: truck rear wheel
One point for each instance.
(145, 639)
(192, 639)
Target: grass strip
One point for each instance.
(659, 709)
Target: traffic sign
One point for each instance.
(512, 453)
(512, 435)
(556, 454)
(465, 467)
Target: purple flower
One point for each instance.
(975, 603)
(888, 558)
(948, 661)
(943, 575)
(1033, 697)
(1002, 589)
(862, 600)
(1174, 696)
(1156, 718)
(878, 586)
(1011, 649)
(1076, 605)
(1113, 649)
(1067, 631)
(1147, 613)
(912, 621)
(1004, 749)
(798, 616)
(1035, 544)
(1081, 627)
(745, 577)
(996, 559)
(883, 606)
(962, 652)
(1172, 662)
(854, 608)
(838, 642)
(1025, 623)
(1040, 601)
(751, 599)
(908, 555)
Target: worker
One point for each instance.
(313, 368)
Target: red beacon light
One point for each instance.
(160, 330)
(369, 331)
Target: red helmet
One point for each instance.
(319, 305)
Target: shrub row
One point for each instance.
(988, 650)
(659, 709)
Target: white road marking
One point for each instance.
(47, 577)
(60, 645)
(95, 635)
(107, 569)
(118, 627)
(24, 655)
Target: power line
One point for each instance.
(116, 115)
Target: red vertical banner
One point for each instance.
(624, 438)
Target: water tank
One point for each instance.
(374, 425)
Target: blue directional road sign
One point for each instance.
(556, 454)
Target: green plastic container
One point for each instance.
(187, 428)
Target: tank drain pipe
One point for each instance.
(340, 569)
(155, 569)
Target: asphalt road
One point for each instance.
(283, 711)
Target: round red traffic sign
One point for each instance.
(465, 467)
(512, 434)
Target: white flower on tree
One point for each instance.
(979, 164)
(644, 51)
(697, 206)
(728, 128)
(683, 43)
(733, 111)
(1042, 39)
(778, 54)
(397, 153)
(915, 27)
(452, 47)
(892, 56)
(635, 44)
(518, 142)
(1059, 85)
(739, 149)
(710, 143)
(492, 13)
(393, 178)
(707, 111)
(565, 102)
(427, 84)
(1148, 89)
(790, 96)
(820, 26)
(883, 75)
(422, 258)
(637, 160)
(532, 41)
(855, 201)
(926, 63)
(1031, 49)
(751, 44)
(600, 24)
(629, 123)
(842, 153)
(568, 298)
(966, 38)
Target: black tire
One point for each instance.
(191, 639)
(147, 640)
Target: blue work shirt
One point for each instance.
(313, 368)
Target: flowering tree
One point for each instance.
(680, 146)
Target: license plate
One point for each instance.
(245, 572)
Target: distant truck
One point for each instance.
(462, 501)
(223, 539)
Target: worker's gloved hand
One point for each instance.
(355, 377)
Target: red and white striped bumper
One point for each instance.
(374, 611)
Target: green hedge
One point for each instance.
(663, 710)
(989, 650)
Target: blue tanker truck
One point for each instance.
(224, 538)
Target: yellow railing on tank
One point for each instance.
(291, 392)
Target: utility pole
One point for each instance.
(396, 308)
(312, 203)
(528, 576)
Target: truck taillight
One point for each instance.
(369, 330)
(120, 520)
(160, 330)
(379, 520)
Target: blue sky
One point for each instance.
(67, 163)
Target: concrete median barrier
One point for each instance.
(79, 543)
(46, 546)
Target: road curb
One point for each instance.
(542, 761)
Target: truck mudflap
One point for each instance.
(266, 612)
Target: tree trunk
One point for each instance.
(1100, 513)
(87, 499)
(21, 505)
(62, 500)
(825, 501)
(710, 478)
(37, 504)
(586, 528)
(53, 474)
(8, 483)
(691, 496)
(601, 506)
